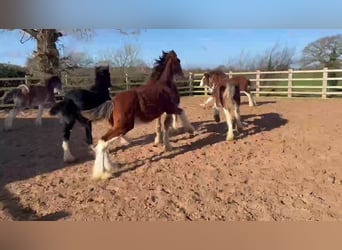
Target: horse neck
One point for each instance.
(167, 73)
(99, 88)
(50, 86)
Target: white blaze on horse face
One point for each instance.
(58, 91)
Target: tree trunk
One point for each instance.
(47, 56)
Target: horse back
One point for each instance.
(85, 99)
(146, 102)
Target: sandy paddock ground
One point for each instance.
(286, 165)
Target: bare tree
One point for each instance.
(47, 55)
(124, 58)
(276, 58)
(76, 59)
(324, 52)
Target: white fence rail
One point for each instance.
(322, 83)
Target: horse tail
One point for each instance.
(24, 88)
(103, 111)
(57, 108)
(237, 95)
(231, 94)
(9, 96)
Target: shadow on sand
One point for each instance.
(216, 133)
(29, 150)
(17, 143)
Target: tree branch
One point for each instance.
(31, 32)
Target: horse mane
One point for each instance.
(218, 72)
(159, 65)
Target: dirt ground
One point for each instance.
(286, 165)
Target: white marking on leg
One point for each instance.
(158, 138)
(251, 102)
(229, 120)
(39, 115)
(166, 140)
(210, 99)
(174, 122)
(9, 119)
(102, 165)
(237, 117)
(186, 124)
(67, 156)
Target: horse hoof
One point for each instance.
(191, 130)
(124, 141)
(102, 176)
(217, 118)
(230, 138)
(69, 159)
(173, 131)
(167, 148)
(157, 142)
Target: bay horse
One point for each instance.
(142, 105)
(244, 84)
(226, 96)
(75, 105)
(29, 96)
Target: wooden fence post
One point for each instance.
(66, 79)
(190, 83)
(324, 83)
(289, 84)
(257, 83)
(126, 81)
(26, 79)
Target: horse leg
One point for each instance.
(60, 116)
(88, 128)
(67, 156)
(174, 122)
(185, 122)
(39, 115)
(10, 117)
(229, 120)
(159, 135)
(207, 101)
(216, 114)
(238, 123)
(251, 101)
(167, 125)
(103, 167)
